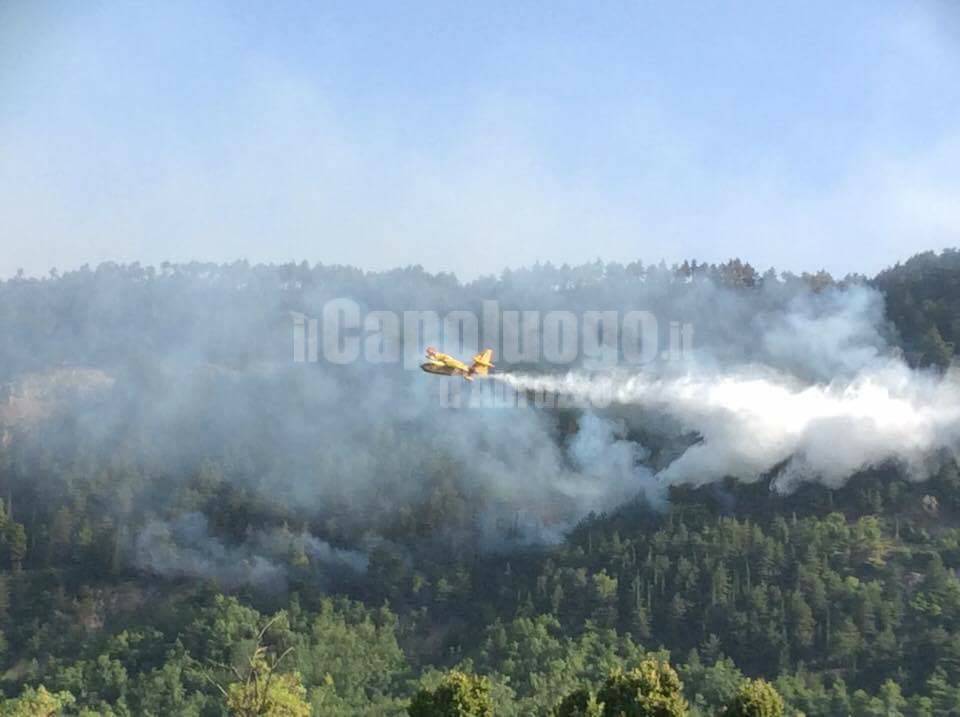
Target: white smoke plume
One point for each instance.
(808, 389)
(751, 420)
(613, 465)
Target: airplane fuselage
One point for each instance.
(445, 365)
(446, 370)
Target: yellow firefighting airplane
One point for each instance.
(449, 366)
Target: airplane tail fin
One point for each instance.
(482, 363)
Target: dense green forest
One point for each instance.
(192, 524)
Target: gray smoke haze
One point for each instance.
(34, 396)
(184, 548)
(763, 360)
(199, 359)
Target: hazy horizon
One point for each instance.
(463, 279)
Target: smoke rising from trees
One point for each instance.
(801, 374)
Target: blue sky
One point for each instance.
(797, 135)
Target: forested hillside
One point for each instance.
(191, 523)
